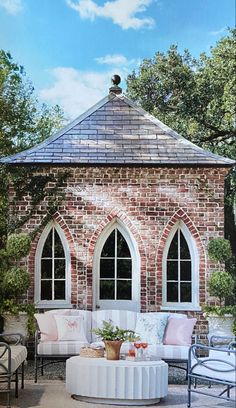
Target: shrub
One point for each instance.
(16, 282)
(219, 250)
(18, 245)
(221, 285)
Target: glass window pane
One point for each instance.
(185, 270)
(107, 268)
(107, 289)
(59, 290)
(173, 250)
(109, 246)
(185, 292)
(47, 249)
(124, 268)
(172, 292)
(46, 290)
(124, 290)
(172, 270)
(184, 249)
(46, 268)
(59, 268)
(58, 247)
(122, 246)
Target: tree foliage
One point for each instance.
(195, 97)
(24, 122)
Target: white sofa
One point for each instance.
(58, 350)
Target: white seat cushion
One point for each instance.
(18, 355)
(60, 347)
(168, 352)
(225, 371)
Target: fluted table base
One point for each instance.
(116, 382)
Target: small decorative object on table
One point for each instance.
(113, 338)
(92, 352)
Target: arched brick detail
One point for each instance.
(31, 258)
(118, 214)
(182, 215)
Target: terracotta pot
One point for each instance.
(113, 349)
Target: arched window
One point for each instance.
(116, 269)
(52, 268)
(180, 269)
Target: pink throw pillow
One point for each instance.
(47, 326)
(179, 331)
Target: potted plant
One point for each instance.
(113, 338)
(14, 282)
(221, 285)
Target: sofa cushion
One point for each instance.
(86, 315)
(18, 355)
(151, 326)
(167, 352)
(70, 328)
(123, 318)
(179, 331)
(66, 348)
(47, 326)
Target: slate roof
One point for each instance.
(116, 132)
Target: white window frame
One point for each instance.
(52, 303)
(116, 223)
(194, 256)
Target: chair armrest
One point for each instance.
(15, 338)
(195, 338)
(216, 341)
(5, 349)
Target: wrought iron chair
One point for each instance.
(13, 354)
(218, 367)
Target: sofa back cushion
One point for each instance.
(151, 326)
(124, 319)
(179, 331)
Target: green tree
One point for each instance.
(196, 97)
(24, 122)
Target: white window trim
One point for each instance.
(194, 305)
(53, 303)
(116, 223)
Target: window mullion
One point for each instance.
(178, 264)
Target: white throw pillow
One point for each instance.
(151, 327)
(70, 328)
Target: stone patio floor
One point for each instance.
(50, 392)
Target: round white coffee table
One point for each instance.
(118, 382)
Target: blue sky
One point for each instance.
(71, 48)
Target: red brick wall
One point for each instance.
(148, 201)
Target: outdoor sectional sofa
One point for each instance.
(60, 345)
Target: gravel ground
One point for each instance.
(57, 372)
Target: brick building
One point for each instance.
(141, 204)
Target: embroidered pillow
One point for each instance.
(151, 327)
(70, 328)
(179, 331)
(47, 326)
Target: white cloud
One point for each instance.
(76, 91)
(11, 6)
(217, 32)
(121, 12)
(115, 59)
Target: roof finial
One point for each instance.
(115, 88)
